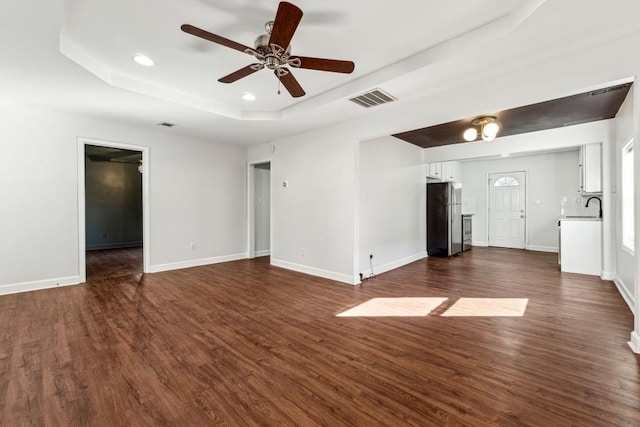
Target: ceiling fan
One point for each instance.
(273, 51)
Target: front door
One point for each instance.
(507, 209)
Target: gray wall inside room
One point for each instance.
(113, 197)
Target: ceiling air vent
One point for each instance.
(608, 89)
(373, 98)
(598, 92)
(619, 87)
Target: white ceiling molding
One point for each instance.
(494, 19)
(541, 41)
(466, 42)
(122, 81)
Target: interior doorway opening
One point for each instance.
(259, 244)
(112, 209)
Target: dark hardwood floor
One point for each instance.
(247, 344)
(106, 263)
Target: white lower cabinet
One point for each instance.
(581, 246)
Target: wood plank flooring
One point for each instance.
(105, 263)
(247, 344)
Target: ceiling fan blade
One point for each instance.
(287, 19)
(241, 73)
(291, 84)
(322, 64)
(198, 32)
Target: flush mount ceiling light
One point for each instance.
(248, 96)
(143, 60)
(489, 128)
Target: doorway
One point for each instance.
(259, 244)
(112, 209)
(507, 209)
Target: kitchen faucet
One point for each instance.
(600, 203)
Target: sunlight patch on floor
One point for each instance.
(488, 307)
(394, 307)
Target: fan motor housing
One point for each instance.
(262, 44)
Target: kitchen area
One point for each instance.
(580, 224)
(449, 231)
(562, 205)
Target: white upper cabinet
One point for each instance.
(444, 171)
(454, 174)
(435, 170)
(590, 169)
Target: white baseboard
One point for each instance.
(628, 298)
(379, 269)
(634, 343)
(608, 275)
(38, 285)
(195, 262)
(542, 248)
(263, 253)
(114, 246)
(479, 243)
(344, 278)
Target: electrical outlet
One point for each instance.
(104, 235)
(193, 246)
(302, 252)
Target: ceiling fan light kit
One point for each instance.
(273, 51)
(489, 128)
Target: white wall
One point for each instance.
(262, 208)
(551, 178)
(392, 204)
(314, 216)
(624, 260)
(197, 194)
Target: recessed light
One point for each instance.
(141, 59)
(248, 96)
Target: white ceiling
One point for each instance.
(75, 56)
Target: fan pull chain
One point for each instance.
(278, 85)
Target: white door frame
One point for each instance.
(251, 225)
(526, 205)
(146, 247)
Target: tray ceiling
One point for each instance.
(102, 37)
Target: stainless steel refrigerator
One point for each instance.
(444, 218)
